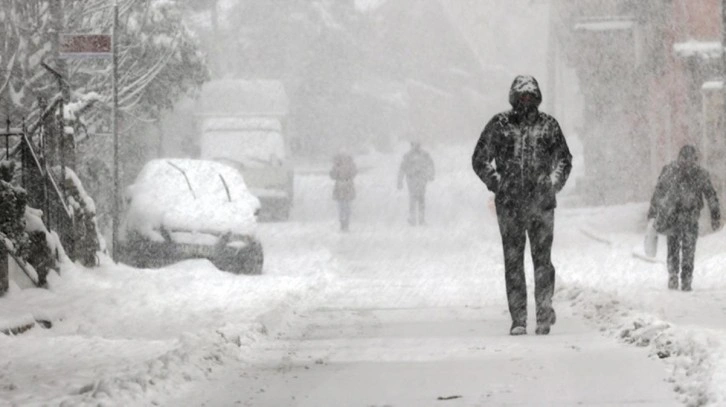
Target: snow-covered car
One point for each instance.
(183, 208)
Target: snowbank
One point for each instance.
(125, 336)
(627, 298)
(696, 356)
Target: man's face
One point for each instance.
(688, 156)
(526, 102)
(689, 160)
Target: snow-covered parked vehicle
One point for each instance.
(256, 147)
(184, 208)
(242, 123)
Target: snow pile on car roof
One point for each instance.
(251, 148)
(190, 195)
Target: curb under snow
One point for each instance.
(695, 356)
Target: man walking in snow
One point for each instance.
(522, 157)
(418, 169)
(674, 210)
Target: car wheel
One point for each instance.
(248, 261)
(252, 260)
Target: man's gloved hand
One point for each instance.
(548, 180)
(545, 181)
(497, 181)
(715, 224)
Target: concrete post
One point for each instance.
(4, 271)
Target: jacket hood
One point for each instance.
(688, 154)
(524, 84)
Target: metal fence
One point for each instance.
(38, 149)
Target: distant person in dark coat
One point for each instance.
(675, 208)
(523, 158)
(418, 169)
(343, 172)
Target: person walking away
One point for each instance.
(343, 172)
(675, 208)
(418, 169)
(522, 157)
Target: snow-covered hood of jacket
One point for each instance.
(524, 84)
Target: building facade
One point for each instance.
(649, 73)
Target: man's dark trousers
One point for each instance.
(681, 254)
(515, 224)
(417, 204)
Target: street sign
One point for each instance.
(85, 45)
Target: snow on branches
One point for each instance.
(159, 58)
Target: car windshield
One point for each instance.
(190, 179)
(250, 148)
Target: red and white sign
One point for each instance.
(85, 45)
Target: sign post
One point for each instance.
(102, 46)
(116, 185)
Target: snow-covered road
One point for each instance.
(384, 315)
(406, 330)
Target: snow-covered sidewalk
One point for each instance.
(412, 317)
(436, 356)
(123, 336)
(421, 303)
(626, 297)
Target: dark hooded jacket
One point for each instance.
(523, 158)
(678, 197)
(418, 168)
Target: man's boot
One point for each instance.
(673, 281)
(543, 327)
(517, 329)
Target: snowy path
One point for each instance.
(387, 357)
(405, 327)
(384, 315)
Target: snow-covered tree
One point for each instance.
(311, 46)
(159, 59)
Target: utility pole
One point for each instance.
(550, 97)
(114, 125)
(57, 14)
(721, 148)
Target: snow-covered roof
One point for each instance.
(241, 123)
(252, 148)
(703, 49)
(608, 24)
(712, 85)
(237, 97)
